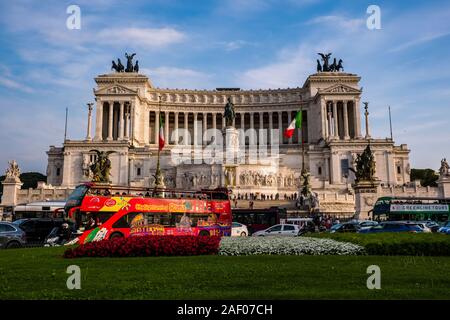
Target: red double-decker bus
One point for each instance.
(107, 212)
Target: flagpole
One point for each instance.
(158, 183)
(301, 134)
(159, 114)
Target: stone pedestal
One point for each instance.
(366, 194)
(231, 138)
(444, 186)
(10, 189)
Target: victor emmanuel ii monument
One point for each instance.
(129, 108)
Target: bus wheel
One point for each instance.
(116, 235)
(204, 233)
(243, 234)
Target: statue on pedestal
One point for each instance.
(13, 171)
(101, 166)
(229, 113)
(444, 169)
(365, 166)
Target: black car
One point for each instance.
(37, 229)
(345, 227)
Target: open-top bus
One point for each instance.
(106, 212)
(411, 209)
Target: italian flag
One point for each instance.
(295, 124)
(161, 133)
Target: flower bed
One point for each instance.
(147, 246)
(287, 246)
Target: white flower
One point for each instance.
(233, 246)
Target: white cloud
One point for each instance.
(140, 37)
(339, 22)
(289, 70)
(173, 77)
(12, 84)
(419, 41)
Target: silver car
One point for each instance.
(283, 230)
(11, 236)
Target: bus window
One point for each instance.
(125, 221)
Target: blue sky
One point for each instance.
(45, 67)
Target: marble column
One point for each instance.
(346, 134)
(214, 125)
(186, 128)
(176, 128)
(110, 121)
(335, 118)
(280, 126)
(127, 123)
(261, 129)
(289, 114)
(323, 115)
(204, 126)
(99, 121)
(121, 122)
(89, 123)
(330, 122)
(242, 121)
(156, 127)
(356, 113)
(166, 128)
(270, 128)
(132, 120)
(252, 128)
(195, 129)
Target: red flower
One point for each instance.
(147, 246)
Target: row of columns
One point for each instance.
(125, 115)
(330, 120)
(214, 123)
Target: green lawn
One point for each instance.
(40, 274)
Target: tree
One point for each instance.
(427, 177)
(29, 180)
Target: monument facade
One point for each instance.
(129, 108)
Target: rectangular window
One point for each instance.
(344, 167)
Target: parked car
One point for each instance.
(11, 236)
(432, 225)
(393, 227)
(345, 227)
(445, 228)
(366, 224)
(37, 229)
(289, 230)
(238, 230)
(421, 225)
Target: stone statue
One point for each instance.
(101, 166)
(333, 65)
(306, 188)
(325, 58)
(365, 166)
(136, 66)
(13, 171)
(326, 67)
(130, 67)
(117, 66)
(229, 114)
(319, 66)
(339, 66)
(444, 169)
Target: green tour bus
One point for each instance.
(412, 209)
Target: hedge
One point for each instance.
(396, 244)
